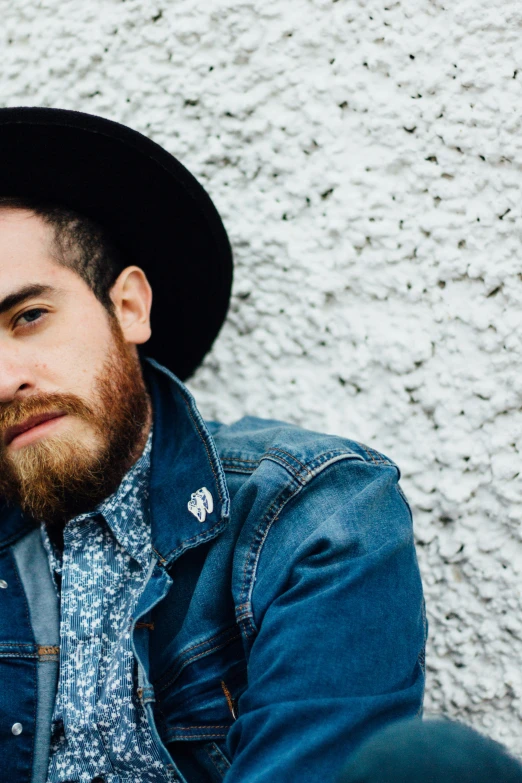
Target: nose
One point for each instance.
(16, 376)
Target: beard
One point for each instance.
(59, 476)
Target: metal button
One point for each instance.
(17, 729)
(3, 583)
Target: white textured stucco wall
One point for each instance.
(366, 158)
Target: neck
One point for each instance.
(142, 440)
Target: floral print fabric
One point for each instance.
(100, 728)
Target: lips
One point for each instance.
(33, 421)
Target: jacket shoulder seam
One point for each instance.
(303, 472)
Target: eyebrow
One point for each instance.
(26, 292)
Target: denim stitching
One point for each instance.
(276, 458)
(209, 457)
(195, 658)
(160, 557)
(19, 655)
(237, 469)
(33, 656)
(221, 735)
(260, 546)
(241, 459)
(211, 639)
(368, 453)
(20, 583)
(207, 641)
(198, 728)
(208, 534)
(282, 451)
(217, 758)
(233, 464)
(200, 655)
(376, 457)
(263, 535)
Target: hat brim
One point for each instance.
(154, 209)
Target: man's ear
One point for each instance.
(132, 298)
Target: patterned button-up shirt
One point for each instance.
(100, 727)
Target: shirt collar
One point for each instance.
(126, 511)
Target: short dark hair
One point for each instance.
(80, 244)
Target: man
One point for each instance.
(181, 601)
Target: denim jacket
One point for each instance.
(277, 629)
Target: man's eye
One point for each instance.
(32, 316)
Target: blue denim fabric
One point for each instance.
(434, 751)
(274, 635)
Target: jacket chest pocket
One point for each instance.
(197, 702)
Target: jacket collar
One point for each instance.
(184, 460)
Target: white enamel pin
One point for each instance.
(201, 504)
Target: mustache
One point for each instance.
(16, 413)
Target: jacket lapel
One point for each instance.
(189, 501)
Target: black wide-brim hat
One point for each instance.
(155, 211)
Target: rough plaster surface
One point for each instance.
(366, 158)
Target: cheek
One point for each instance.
(75, 361)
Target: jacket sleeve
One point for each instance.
(338, 627)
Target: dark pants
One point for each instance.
(431, 751)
